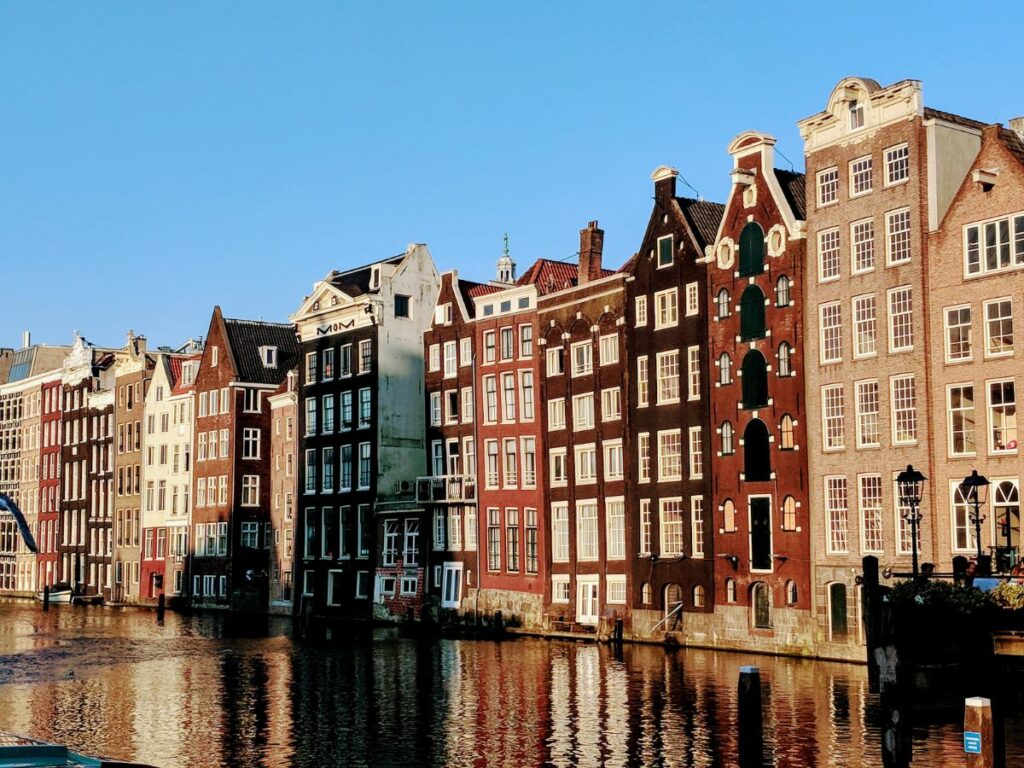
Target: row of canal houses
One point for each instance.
(701, 443)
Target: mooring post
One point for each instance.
(978, 745)
(871, 609)
(161, 604)
(618, 631)
(751, 734)
(46, 597)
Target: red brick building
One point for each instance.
(759, 439)
(513, 525)
(49, 482)
(243, 363)
(583, 346)
(669, 472)
(449, 492)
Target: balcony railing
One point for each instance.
(445, 489)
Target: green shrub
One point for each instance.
(968, 602)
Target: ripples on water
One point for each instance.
(209, 691)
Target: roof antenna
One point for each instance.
(791, 168)
(683, 179)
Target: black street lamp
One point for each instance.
(910, 483)
(975, 489)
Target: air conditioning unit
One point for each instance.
(403, 486)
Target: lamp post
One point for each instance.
(910, 483)
(974, 488)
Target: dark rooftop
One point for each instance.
(247, 336)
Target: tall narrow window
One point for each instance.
(833, 417)
(785, 360)
(871, 511)
(960, 406)
(1002, 416)
(751, 250)
(958, 334)
(755, 380)
(828, 255)
(756, 452)
(727, 439)
(867, 414)
(862, 235)
(752, 314)
(864, 326)
(831, 324)
(722, 304)
(724, 369)
(837, 514)
(998, 328)
(783, 292)
(901, 320)
(904, 409)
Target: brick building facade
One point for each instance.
(762, 522)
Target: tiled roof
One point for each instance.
(175, 363)
(550, 276)
(245, 338)
(471, 290)
(630, 263)
(793, 188)
(949, 117)
(1013, 143)
(703, 218)
(356, 281)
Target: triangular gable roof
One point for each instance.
(794, 189)
(245, 337)
(703, 218)
(1013, 142)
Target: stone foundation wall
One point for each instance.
(522, 608)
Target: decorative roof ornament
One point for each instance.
(506, 266)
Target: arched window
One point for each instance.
(786, 427)
(751, 250)
(645, 593)
(728, 448)
(725, 369)
(789, 514)
(1007, 509)
(791, 593)
(698, 596)
(730, 590)
(761, 598)
(673, 597)
(752, 324)
(757, 463)
(755, 380)
(838, 627)
(785, 360)
(783, 292)
(729, 511)
(722, 304)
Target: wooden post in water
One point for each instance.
(46, 597)
(978, 733)
(871, 609)
(161, 605)
(751, 734)
(617, 635)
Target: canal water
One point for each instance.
(214, 691)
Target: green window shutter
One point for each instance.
(755, 380)
(751, 250)
(752, 321)
(665, 251)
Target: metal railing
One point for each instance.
(446, 489)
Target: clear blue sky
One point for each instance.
(159, 158)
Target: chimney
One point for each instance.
(1017, 126)
(591, 246)
(26, 340)
(664, 179)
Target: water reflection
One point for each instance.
(209, 691)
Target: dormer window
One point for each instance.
(268, 355)
(186, 373)
(856, 115)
